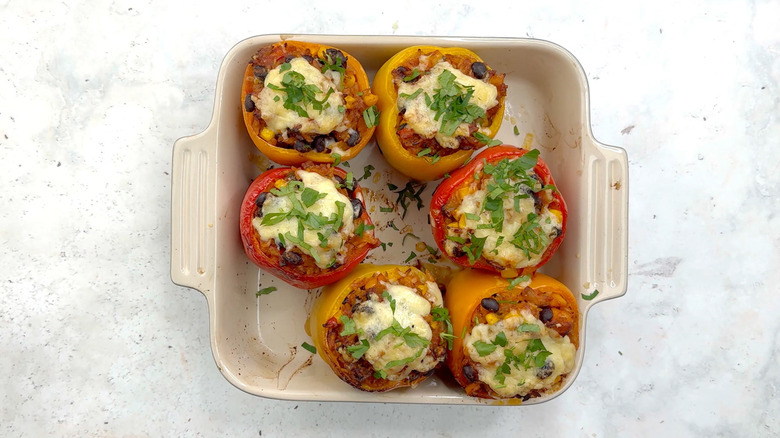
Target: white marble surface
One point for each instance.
(97, 341)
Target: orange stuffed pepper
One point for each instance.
(307, 102)
(381, 327)
(437, 106)
(511, 341)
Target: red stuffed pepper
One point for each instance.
(308, 226)
(501, 212)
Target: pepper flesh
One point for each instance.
(263, 138)
(416, 167)
(463, 299)
(288, 273)
(461, 177)
(324, 320)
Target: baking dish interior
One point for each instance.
(256, 341)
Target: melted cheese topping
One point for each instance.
(335, 249)
(279, 119)
(506, 254)
(373, 316)
(519, 380)
(421, 118)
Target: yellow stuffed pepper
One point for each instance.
(307, 102)
(437, 105)
(512, 340)
(381, 327)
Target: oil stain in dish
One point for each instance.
(283, 376)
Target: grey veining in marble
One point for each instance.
(97, 341)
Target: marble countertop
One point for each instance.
(96, 340)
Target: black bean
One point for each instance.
(308, 58)
(490, 304)
(479, 69)
(261, 200)
(470, 373)
(337, 57)
(289, 58)
(320, 142)
(249, 104)
(546, 370)
(362, 307)
(357, 207)
(260, 72)
(537, 202)
(458, 252)
(556, 232)
(402, 71)
(546, 314)
(354, 138)
(301, 146)
(292, 258)
(280, 245)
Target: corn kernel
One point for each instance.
(349, 80)
(370, 99)
(452, 225)
(509, 273)
(462, 221)
(349, 101)
(557, 214)
(491, 318)
(266, 134)
(280, 183)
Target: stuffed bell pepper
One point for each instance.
(307, 226)
(501, 212)
(512, 341)
(437, 106)
(381, 327)
(307, 102)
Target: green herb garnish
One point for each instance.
(487, 140)
(591, 296)
(265, 291)
(528, 328)
(517, 280)
(414, 74)
(310, 348)
(371, 116)
(484, 348)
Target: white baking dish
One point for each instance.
(256, 342)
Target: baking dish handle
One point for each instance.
(192, 211)
(609, 245)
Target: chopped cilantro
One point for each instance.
(371, 116)
(358, 350)
(590, 296)
(265, 291)
(310, 348)
(487, 140)
(484, 348)
(411, 76)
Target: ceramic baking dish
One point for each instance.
(256, 341)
